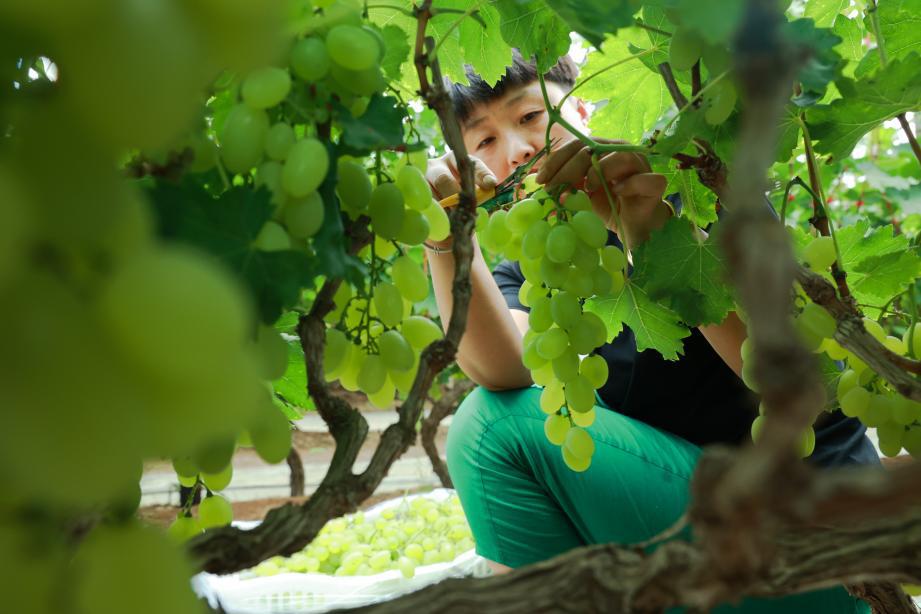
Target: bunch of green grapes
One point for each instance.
(563, 252)
(860, 392)
(375, 340)
(417, 532)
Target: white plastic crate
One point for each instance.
(244, 593)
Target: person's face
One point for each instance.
(507, 132)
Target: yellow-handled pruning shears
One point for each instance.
(502, 194)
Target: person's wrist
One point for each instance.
(440, 247)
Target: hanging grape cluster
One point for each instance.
(860, 392)
(561, 245)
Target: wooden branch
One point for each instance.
(665, 70)
(297, 473)
(906, 128)
(443, 407)
(852, 336)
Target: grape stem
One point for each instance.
(912, 350)
(613, 205)
(821, 218)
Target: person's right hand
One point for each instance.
(444, 179)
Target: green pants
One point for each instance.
(525, 505)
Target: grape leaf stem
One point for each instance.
(906, 128)
(665, 69)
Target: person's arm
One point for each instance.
(490, 349)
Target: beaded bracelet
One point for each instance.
(438, 250)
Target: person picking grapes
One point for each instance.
(524, 501)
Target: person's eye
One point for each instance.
(530, 116)
(487, 141)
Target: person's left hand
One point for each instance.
(637, 191)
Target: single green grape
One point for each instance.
(409, 279)
(389, 303)
(353, 185)
(242, 138)
(335, 352)
(578, 201)
(579, 443)
(561, 243)
(555, 428)
(420, 331)
(855, 402)
(535, 239)
(595, 370)
(266, 87)
(215, 511)
(552, 398)
(565, 310)
(613, 259)
(386, 209)
(372, 374)
(566, 365)
(309, 59)
(278, 141)
(720, 103)
(305, 167)
(395, 351)
(271, 435)
(439, 224)
(522, 215)
(684, 49)
(352, 47)
(819, 254)
(575, 463)
(415, 188)
(219, 480)
(580, 394)
(540, 317)
(184, 528)
(583, 419)
(554, 274)
(415, 228)
(890, 439)
(304, 217)
(590, 229)
(272, 238)
(807, 442)
(552, 343)
(817, 318)
(873, 327)
(272, 350)
(497, 231)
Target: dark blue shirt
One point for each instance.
(697, 397)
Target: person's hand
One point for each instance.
(637, 191)
(444, 179)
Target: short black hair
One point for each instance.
(521, 72)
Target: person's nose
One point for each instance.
(520, 150)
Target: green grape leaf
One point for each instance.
(867, 102)
(829, 373)
(380, 127)
(714, 20)
(788, 137)
(878, 263)
(900, 30)
(594, 18)
(535, 30)
(825, 12)
(685, 273)
(292, 386)
(483, 47)
(397, 43)
(654, 325)
(698, 203)
(635, 97)
(226, 227)
(851, 34)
